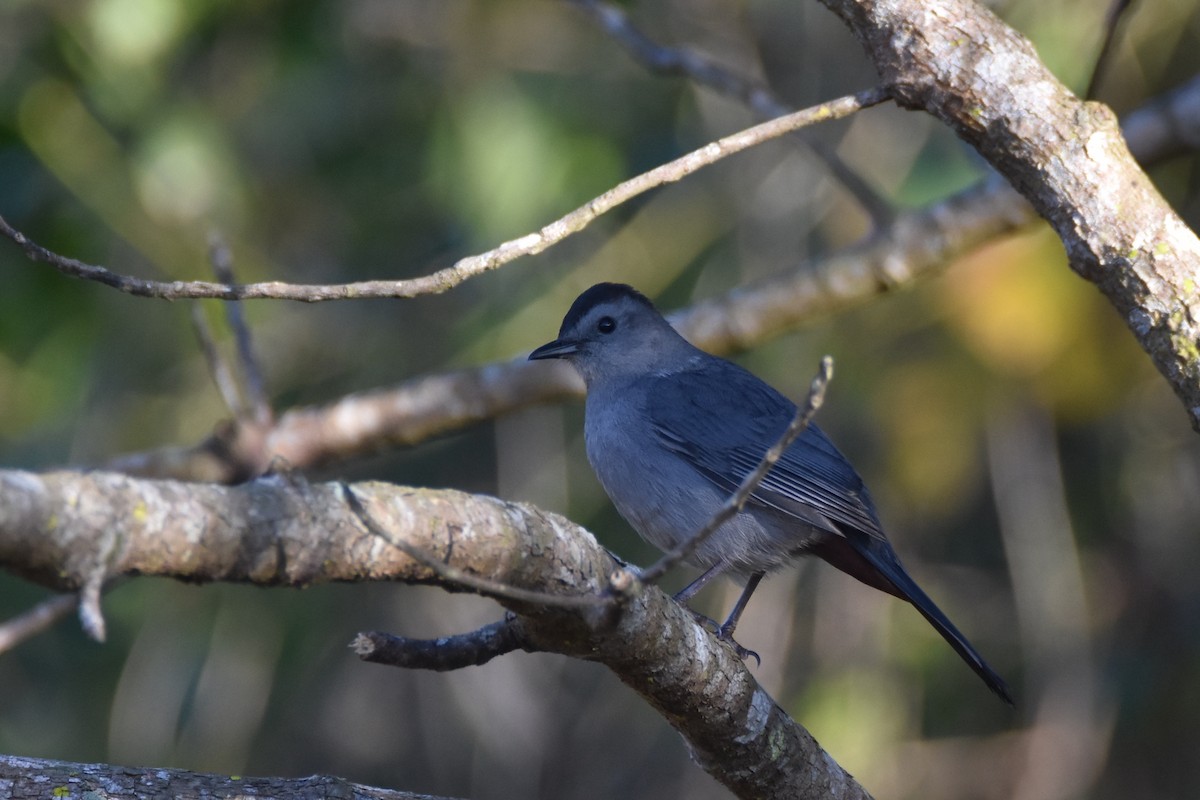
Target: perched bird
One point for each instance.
(671, 431)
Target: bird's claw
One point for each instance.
(742, 652)
(724, 634)
(708, 623)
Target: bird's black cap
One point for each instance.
(598, 294)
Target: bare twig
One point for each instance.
(916, 245)
(257, 404)
(469, 267)
(804, 415)
(703, 71)
(665, 60)
(443, 654)
(218, 368)
(37, 619)
(1111, 20)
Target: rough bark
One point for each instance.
(39, 778)
(68, 530)
(958, 61)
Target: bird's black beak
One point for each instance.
(556, 349)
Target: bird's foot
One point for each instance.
(726, 635)
(708, 623)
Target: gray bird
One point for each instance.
(671, 431)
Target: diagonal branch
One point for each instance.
(754, 94)
(466, 268)
(1112, 21)
(962, 64)
(917, 245)
(37, 619)
(276, 532)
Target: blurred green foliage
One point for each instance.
(335, 141)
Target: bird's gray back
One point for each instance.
(669, 448)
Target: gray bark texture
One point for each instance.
(39, 779)
(962, 64)
(68, 530)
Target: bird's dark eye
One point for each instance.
(606, 325)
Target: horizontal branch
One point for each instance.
(915, 246)
(471, 266)
(445, 653)
(58, 528)
(43, 778)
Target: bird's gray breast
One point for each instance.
(663, 496)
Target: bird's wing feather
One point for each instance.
(738, 417)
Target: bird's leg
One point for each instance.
(740, 606)
(725, 632)
(688, 592)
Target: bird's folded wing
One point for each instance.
(723, 421)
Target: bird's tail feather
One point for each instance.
(881, 569)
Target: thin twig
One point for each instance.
(469, 267)
(916, 246)
(1111, 21)
(679, 61)
(91, 615)
(453, 574)
(252, 376)
(218, 368)
(703, 71)
(443, 654)
(733, 505)
(36, 620)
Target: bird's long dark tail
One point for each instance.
(875, 563)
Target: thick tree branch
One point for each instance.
(38, 779)
(958, 61)
(276, 531)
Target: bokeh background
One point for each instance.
(1036, 474)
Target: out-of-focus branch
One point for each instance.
(1167, 126)
(39, 777)
(37, 619)
(275, 531)
(1068, 702)
(961, 63)
(1112, 20)
(706, 72)
(916, 245)
(680, 61)
(257, 408)
(469, 267)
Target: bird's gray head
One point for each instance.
(613, 331)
